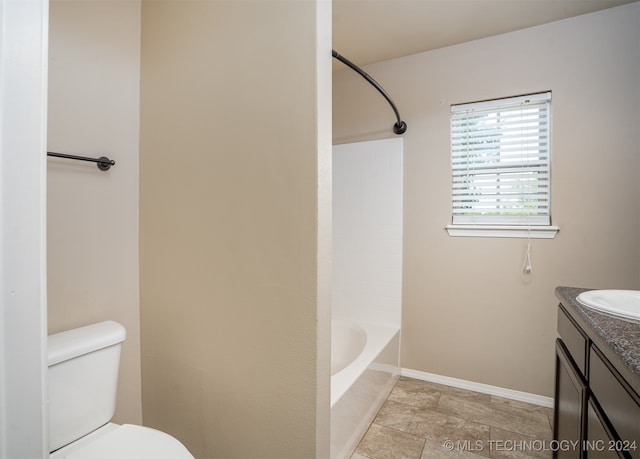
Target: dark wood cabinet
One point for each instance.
(619, 403)
(575, 340)
(595, 408)
(569, 403)
(600, 443)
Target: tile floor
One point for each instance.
(425, 420)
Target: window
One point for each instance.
(500, 162)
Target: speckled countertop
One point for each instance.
(618, 339)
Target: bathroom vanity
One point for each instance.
(597, 384)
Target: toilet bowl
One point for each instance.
(124, 441)
(83, 376)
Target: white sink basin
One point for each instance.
(622, 303)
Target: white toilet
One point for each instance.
(83, 375)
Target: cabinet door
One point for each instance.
(569, 401)
(617, 400)
(600, 443)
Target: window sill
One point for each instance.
(525, 232)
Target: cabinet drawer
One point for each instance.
(575, 342)
(619, 406)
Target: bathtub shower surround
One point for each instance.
(367, 231)
(367, 285)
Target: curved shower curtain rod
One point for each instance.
(400, 127)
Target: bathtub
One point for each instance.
(364, 367)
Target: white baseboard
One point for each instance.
(479, 387)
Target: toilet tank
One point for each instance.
(82, 380)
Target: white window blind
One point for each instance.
(500, 157)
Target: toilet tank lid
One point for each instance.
(79, 341)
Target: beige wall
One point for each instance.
(467, 313)
(92, 220)
(228, 217)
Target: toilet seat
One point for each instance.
(131, 442)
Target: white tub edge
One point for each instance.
(366, 385)
(378, 337)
